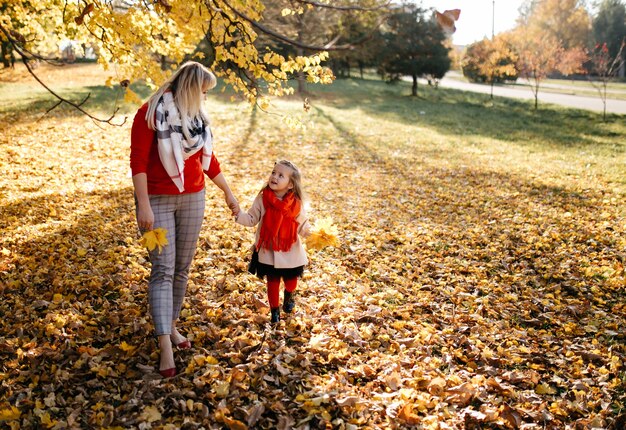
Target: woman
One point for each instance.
(171, 150)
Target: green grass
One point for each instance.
(504, 133)
(462, 128)
(22, 98)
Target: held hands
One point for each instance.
(232, 203)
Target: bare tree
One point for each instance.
(605, 67)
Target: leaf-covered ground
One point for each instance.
(479, 282)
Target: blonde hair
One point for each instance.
(186, 85)
(295, 178)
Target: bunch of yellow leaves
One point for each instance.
(153, 238)
(324, 234)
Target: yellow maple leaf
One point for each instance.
(153, 238)
(544, 389)
(47, 421)
(11, 413)
(126, 347)
(324, 234)
(131, 97)
(150, 414)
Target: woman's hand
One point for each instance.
(232, 203)
(145, 217)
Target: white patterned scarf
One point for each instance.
(174, 147)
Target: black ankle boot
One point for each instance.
(289, 303)
(275, 315)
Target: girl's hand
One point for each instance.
(145, 217)
(306, 229)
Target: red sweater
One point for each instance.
(144, 158)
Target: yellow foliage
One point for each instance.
(131, 97)
(11, 413)
(154, 238)
(150, 414)
(126, 347)
(461, 279)
(324, 234)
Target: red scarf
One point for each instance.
(279, 230)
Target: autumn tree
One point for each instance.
(609, 28)
(414, 45)
(490, 61)
(605, 67)
(566, 21)
(134, 36)
(540, 55)
(551, 37)
(306, 25)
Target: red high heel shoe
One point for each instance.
(185, 344)
(168, 373)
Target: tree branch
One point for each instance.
(28, 55)
(328, 47)
(338, 7)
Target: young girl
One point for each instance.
(278, 252)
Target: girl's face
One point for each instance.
(280, 180)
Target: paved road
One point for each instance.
(580, 102)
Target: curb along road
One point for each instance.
(581, 102)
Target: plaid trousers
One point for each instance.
(181, 215)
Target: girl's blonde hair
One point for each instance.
(186, 84)
(296, 178)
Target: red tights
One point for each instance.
(273, 289)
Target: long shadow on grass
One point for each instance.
(77, 257)
(464, 113)
(469, 204)
(70, 297)
(74, 316)
(474, 233)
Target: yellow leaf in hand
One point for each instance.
(153, 238)
(324, 234)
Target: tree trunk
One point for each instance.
(301, 77)
(300, 52)
(414, 87)
(7, 55)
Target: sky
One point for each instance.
(476, 17)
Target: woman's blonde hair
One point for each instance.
(296, 178)
(187, 85)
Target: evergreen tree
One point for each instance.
(414, 46)
(609, 27)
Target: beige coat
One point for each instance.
(296, 256)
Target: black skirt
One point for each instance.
(263, 270)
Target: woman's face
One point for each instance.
(205, 89)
